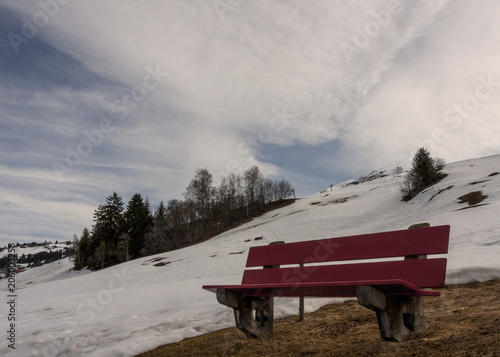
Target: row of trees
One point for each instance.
(121, 233)
(38, 259)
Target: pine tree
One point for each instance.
(161, 212)
(138, 220)
(425, 171)
(108, 226)
(423, 167)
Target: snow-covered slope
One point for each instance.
(58, 270)
(133, 307)
(26, 249)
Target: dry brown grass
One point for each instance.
(464, 321)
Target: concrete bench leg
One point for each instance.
(399, 317)
(254, 316)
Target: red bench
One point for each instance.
(392, 288)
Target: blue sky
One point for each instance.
(134, 96)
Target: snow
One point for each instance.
(136, 306)
(58, 270)
(34, 250)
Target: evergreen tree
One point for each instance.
(138, 220)
(108, 226)
(161, 212)
(423, 167)
(425, 171)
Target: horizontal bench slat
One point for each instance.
(424, 273)
(330, 289)
(431, 240)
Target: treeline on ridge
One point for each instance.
(122, 233)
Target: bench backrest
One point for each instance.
(408, 242)
(404, 243)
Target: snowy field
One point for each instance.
(139, 305)
(33, 250)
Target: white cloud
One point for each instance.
(370, 79)
(433, 74)
(271, 55)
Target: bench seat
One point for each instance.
(324, 289)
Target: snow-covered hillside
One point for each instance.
(35, 248)
(133, 307)
(33, 254)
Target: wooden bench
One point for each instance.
(394, 289)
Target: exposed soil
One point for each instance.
(478, 182)
(162, 264)
(334, 201)
(464, 321)
(472, 198)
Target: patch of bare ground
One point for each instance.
(154, 260)
(478, 182)
(464, 321)
(472, 198)
(302, 210)
(162, 264)
(334, 201)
